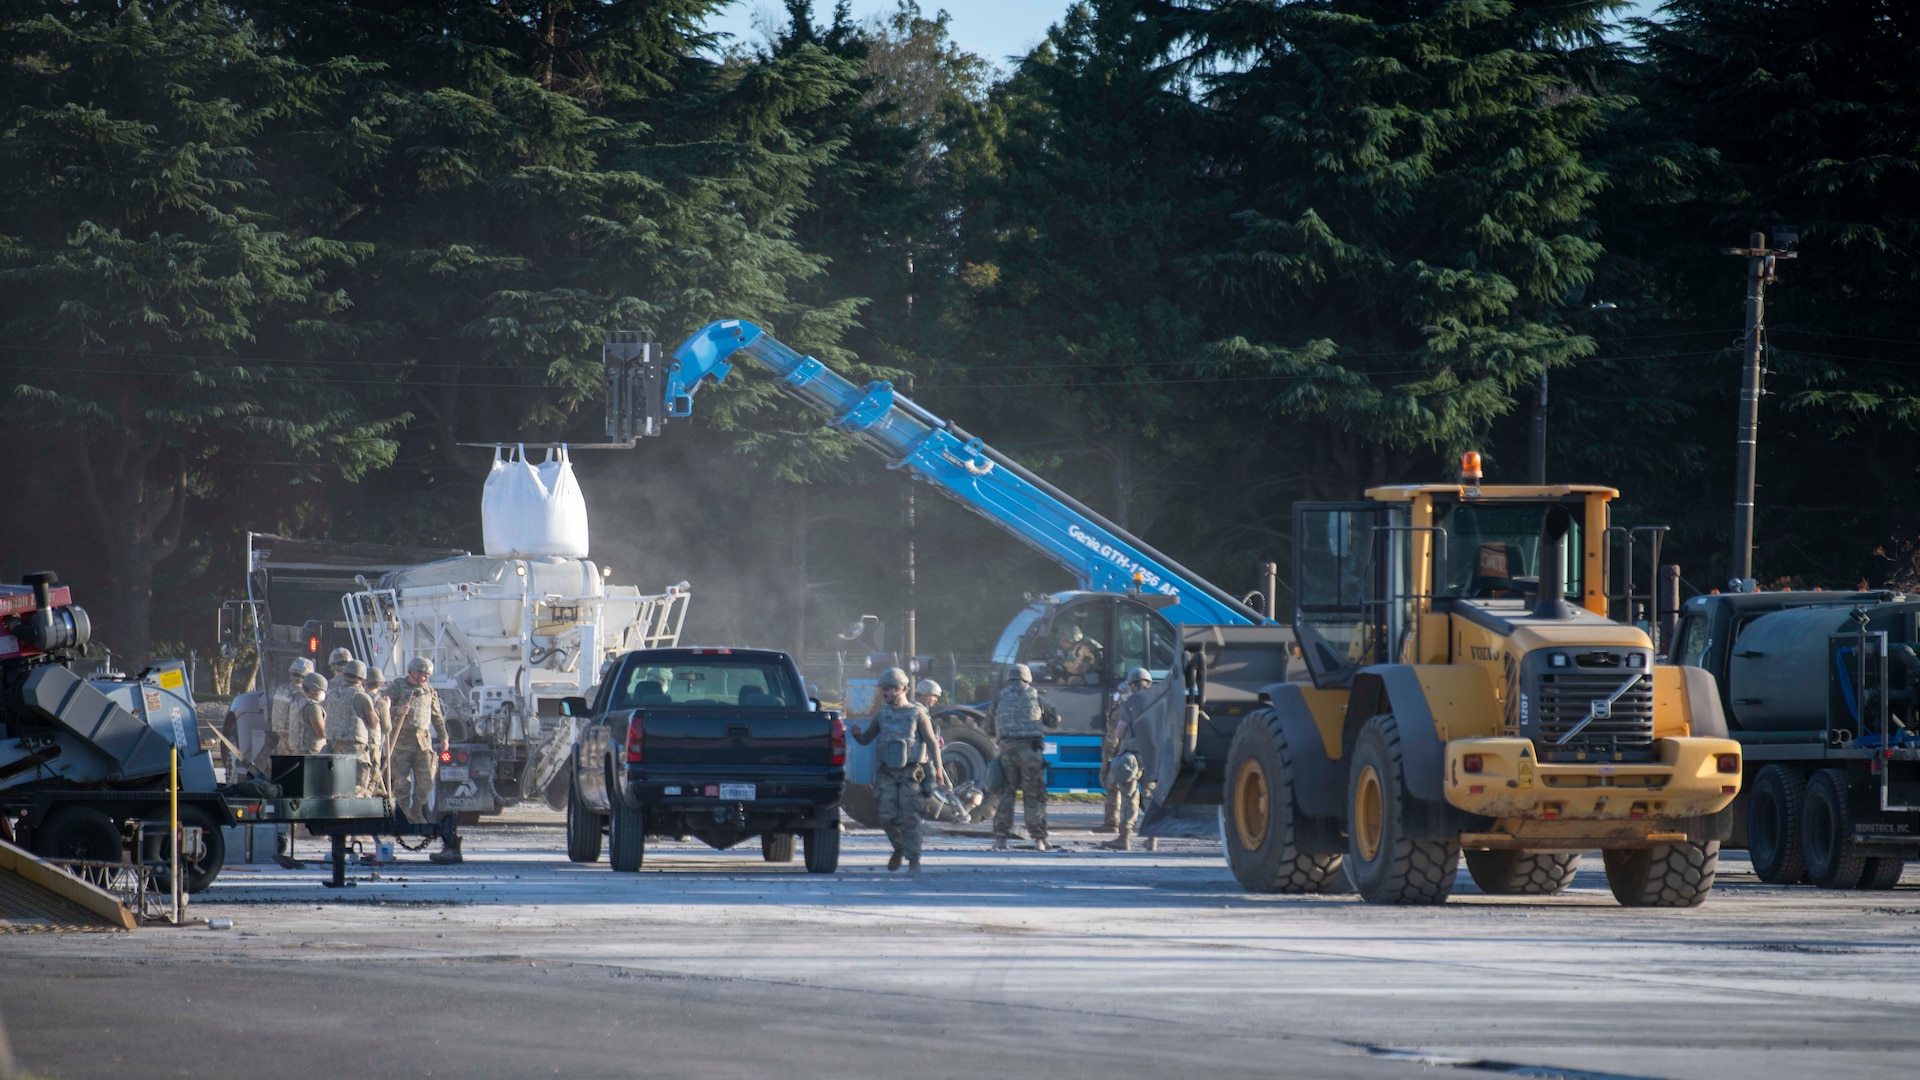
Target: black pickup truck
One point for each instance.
(721, 744)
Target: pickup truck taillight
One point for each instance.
(637, 738)
(837, 736)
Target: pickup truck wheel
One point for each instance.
(1774, 808)
(583, 826)
(823, 849)
(1522, 873)
(78, 832)
(1834, 861)
(196, 874)
(626, 838)
(776, 847)
(1664, 875)
(1387, 866)
(1260, 820)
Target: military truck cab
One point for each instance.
(1822, 690)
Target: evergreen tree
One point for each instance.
(163, 326)
(1414, 215)
(1755, 114)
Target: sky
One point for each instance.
(993, 29)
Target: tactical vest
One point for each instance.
(899, 743)
(1017, 714)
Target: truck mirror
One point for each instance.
(573, 706)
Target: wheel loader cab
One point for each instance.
(1470, 693)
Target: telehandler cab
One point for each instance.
(1468, 692)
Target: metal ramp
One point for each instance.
(37, 897)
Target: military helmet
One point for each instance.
(356, 671)
(895, 678)
(928, 686)
(419, 665)
(1019, 673)
(375, 677)
(1072, 632)
(1140, 675)
(338, 656)
(313, 681)
(300, 666)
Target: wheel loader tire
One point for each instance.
(1882, 873)
(858, 803)
(1522, 873)
(1664, 875)
(626, 838)
(1259, 818)
(1834, 861)
(583, 827)
(776, 847)
(1774, 807)
(1386, 866)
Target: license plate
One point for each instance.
(742, 792)
(1050, 748)
(454, 772)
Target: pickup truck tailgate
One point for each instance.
(753, 739)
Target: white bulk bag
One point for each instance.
(528, 510)
(565, 522)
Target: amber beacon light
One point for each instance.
(1470, 468)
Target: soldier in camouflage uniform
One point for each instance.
(907, 746)
(1137, 680)
(381, 734)
(1017, 716)
(1076, 659)
(350, 719)
(1123, 771)
(419, 737)
(283, 716)
(310, 722)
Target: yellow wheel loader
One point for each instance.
(1469, 693)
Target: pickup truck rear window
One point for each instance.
(712, 683)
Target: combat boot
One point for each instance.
(914, 868)
(1118, 843)
(1105, 826)
(893, 863)
(999, 843)
(1040, 844)
(448, 855)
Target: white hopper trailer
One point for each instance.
(508, 637)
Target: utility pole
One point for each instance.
(1539, 464)
(913, 633)
(1760, 272)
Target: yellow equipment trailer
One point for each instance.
(1468, 692)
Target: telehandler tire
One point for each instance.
(1522, 873)
(1386, 866)
(1664, 875)
(1260, 819)
(1774, 807)
(859, 803)
(1834, 861)
(583, 827)
(1882, 873)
